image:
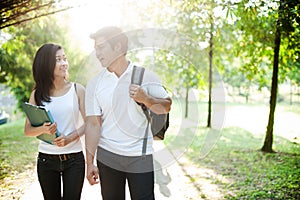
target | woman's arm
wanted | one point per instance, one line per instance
(47, 127)
(76, 134)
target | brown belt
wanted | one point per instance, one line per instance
(61, 157)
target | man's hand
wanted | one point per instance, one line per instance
(137, 93)
(92, 174)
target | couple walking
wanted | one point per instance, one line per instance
(114, 124)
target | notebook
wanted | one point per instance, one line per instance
(37, 115)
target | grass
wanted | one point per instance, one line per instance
(17, 152)
(252, 173)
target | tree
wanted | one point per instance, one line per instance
(264, 28)
(267, 147)
(287, 21)
(205, 21)
(210, 54)
(16, 12)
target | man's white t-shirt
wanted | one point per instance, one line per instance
(124, 122)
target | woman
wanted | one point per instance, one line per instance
(61, 162)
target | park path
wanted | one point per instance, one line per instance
(255, 120)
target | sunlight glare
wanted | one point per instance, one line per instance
(91, 16)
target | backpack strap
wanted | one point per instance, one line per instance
(137, 75)
(137, 78)
(146, 112)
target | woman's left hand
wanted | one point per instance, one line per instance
(61, 141)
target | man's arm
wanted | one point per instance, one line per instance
(156, 105)
(92, 135)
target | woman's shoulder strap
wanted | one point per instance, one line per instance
(75, 87)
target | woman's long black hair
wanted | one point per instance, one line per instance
(43, 72)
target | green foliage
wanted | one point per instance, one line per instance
(256, 32)
(289, 23)
(14, 65)
(181, 72)
(253, 44)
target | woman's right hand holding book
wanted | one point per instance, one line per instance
(49, 128)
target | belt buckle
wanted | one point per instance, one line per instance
(63, 157)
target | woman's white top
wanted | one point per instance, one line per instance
(65, 112)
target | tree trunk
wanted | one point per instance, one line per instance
(291, 92)
(210, 76)
(186, 101)
(298, 92)
(267, 147)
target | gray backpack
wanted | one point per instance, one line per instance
(159, 122)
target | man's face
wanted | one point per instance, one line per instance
(105, 53)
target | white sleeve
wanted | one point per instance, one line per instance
(92, 106)
(153, 85)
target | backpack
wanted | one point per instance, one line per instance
(159, 122)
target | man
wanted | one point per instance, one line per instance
(116, 124)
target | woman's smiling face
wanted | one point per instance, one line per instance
(62, 65)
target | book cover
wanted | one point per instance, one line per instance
(37, 115)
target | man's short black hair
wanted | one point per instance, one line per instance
(113, 35)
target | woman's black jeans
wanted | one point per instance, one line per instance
(68, 169)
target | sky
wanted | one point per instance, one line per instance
(91, 16)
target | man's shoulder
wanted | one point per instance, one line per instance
(151, 76)
(96, 78)
(148, 71)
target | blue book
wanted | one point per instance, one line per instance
(37, 116)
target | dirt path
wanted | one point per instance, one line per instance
(14, 188)
(255, 120)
